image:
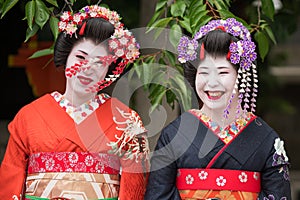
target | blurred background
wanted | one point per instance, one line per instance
(23, 80)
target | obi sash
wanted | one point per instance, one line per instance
(217, 183)
(72, 175)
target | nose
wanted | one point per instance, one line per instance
(91, 68)
(212, 80)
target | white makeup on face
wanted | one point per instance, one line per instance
(88, 75)
(215, 80)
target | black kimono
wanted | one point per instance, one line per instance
(192, 141)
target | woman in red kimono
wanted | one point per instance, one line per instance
(222, 150)
(80, 144)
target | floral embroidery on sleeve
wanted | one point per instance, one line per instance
(280, 158)
(130, 145)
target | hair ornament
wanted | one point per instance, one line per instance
(122, 44)
(242, 51)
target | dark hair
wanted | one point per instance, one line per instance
(216, 43)
(97, 29)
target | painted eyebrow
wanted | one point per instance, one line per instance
(202, 67)
(223, 68)
(83, 52)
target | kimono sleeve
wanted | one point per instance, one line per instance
(13, 166)
(131, 145)
(162, 178)
(275, 177)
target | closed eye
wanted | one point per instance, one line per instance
(80, 57)
(224, 72)
(203, 73)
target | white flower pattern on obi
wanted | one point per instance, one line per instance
(130, 145)
(256, 175)
(221, 181)
(243, 177)
(189, 179)
(203, 175)
(50, 164)
(73, 157)
(89, 161)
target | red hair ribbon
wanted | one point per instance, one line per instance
(229, 53)
(202, 51)
(81, 32)
(221, 28)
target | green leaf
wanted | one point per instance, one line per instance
(146, 73)
(155, 89)
(7, 5)
(263, 44)
(171, 98)
(175, 34)
(29, 12)
(270, 34)
(226, 13)
(201, 22)
(194, 11)
(158, 100)
(160, 5)
(219, 4)
(159, 77)
(186, 24)
(170, 56)
(161, 23)
(54, 26)
(40, 53)
(53, 2)
(137, 69)
(195, 5)
(155, 17)
(195, 17)
(198, 19)
(268, 9)
(178, 8)
(41, 14)
(31, 32)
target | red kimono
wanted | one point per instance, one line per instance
(100, 152)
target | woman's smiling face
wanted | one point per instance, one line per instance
(215, 81)
(84, 69)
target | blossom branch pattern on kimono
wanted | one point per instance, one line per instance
(128, 145)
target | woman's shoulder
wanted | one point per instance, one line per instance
(184, 124)
(263, 126)
(31, 107)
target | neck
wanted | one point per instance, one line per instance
(217, 115)
(78, 99)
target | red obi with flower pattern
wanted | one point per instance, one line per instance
(72, 175)
(217, 183)
(73, 162)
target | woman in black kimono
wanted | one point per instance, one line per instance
(222, 150)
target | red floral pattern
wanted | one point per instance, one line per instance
(73, 162)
